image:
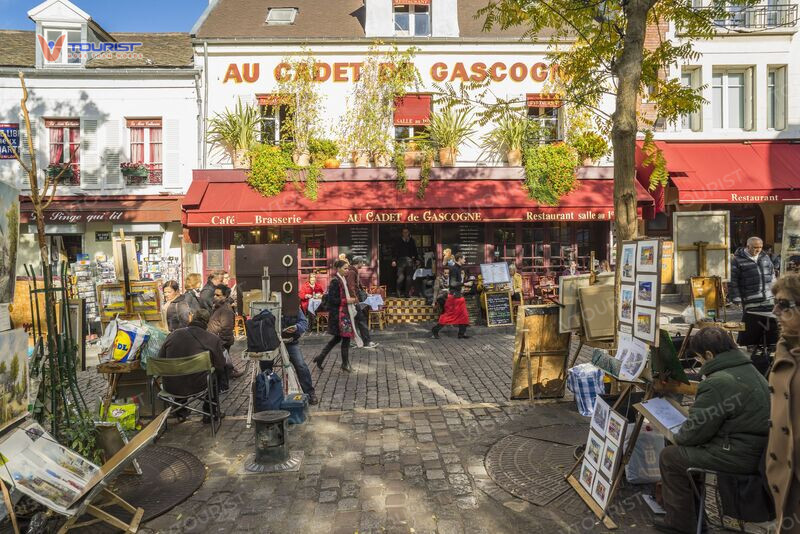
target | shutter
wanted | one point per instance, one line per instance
(780, 98)
(171, 154)
(696, 117)
(111, 153)
(749, 88)
(89, 155)
(25, 153)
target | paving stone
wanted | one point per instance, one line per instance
(328, 496)
(434, 474)
(349, 504)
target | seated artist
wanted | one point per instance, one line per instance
(726, 429)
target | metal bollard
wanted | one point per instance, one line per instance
(272, 450)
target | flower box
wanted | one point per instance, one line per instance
(54, 169)
(134, 169)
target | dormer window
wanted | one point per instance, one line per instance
(412, 18)
(55, 47)
(281, 15)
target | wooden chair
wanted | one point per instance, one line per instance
(547, 287)
(377, 316)
(529, 281)
(322, 320)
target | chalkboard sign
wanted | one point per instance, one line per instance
(355, 241)
(498, 308)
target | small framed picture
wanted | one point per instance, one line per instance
(600, 416)
(608, 460)
(587, 475)
(594, 449)
(647, 260)
(626, 300)
(647, 290)
(628, 267)
(600, 491)
(616, 428)
(645, 325)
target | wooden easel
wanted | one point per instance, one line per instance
(101, 516)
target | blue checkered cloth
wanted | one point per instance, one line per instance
(585, 381)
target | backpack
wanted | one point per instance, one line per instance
(261, 333)
(267, 392)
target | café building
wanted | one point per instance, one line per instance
(478, 206)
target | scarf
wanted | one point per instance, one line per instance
(351, 312)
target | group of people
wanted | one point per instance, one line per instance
(741, 422)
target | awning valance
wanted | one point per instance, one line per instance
(412, 110)
(73, 210)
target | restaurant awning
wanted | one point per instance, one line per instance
(218, 198)
(733, 172)
(71, 210)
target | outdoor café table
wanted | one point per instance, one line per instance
(313, 304)
(422, 273)
(375, 301)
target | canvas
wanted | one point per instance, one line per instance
(597, 311)
(569, 319)
(626, 299)
(609, 460)
(645, 325)
(628, 267)
(712, 227)
(615, 430)
(9, 239)
(13, 376)
(594, 449)
(586, 476)
(647, 256)
(601, 491)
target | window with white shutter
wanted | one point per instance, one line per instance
(171, 148)
(90, 155)
(111, 153)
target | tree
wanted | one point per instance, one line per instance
(599, 47)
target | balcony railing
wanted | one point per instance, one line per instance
(153, 176)
(759, 17)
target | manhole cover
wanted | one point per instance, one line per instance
(564, 434)
(530, 469)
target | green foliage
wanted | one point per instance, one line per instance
(79, 434)
(322, 149)
(401, 182)
(511, 133)
(269, 169)
(425, 171)
(386, 75)
(589, 145)
(234, 130)
(655, 158)
(450, 127)
(302, 96)
(313, 174)
(550, 171)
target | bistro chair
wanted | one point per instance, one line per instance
(547, 287)
(528, 287)
(377, 317)
(190, 365)
(322, 318)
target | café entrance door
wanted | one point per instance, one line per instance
(388, 236)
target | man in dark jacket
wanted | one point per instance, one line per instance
(405, 251)
(189, 341)
(294, 326)
(752, 274)
(207, 293)
(221, 324)
(726, 429)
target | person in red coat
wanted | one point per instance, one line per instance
(455, 307)
(310, 289)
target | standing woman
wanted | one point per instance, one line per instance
(783, 450)
(341, 317)
(192, 293)
(177, 309)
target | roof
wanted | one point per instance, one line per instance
(317, 20)
(223, 197)
(160, 50)
(733, 172)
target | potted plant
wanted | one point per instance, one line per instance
(448, 129)
(269, 169)
(54, 169)
(234, 131)
(550, 171)
(590, 146)
(324, 152)
(138, 170)
(507, 139)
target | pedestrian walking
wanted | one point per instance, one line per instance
(341, 312)
(455, 307)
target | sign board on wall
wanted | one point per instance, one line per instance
(790, 244)
(102, 236)
(11, 129)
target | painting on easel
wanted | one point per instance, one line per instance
(13, 376)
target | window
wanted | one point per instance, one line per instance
(505, 244)
(64, 138)
(776, 98)
(412, 115)
(60, 54)
(412, 20)
(273, 119)
(731, 100)
(407, 133)
(690, 121)
(313, 248)
(281, 15)
(544, 112)
(147, 147)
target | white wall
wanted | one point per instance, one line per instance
(107, 99)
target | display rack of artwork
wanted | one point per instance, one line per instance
(639, 298)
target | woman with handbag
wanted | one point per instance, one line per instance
(341, 322)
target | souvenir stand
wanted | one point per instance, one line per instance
(130, 299)
(601, 466)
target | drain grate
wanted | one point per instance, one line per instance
(530, 469)
(573, 435)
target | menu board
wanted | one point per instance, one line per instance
(464, 238)
(498, 308)
(495, 273)
(356, 241)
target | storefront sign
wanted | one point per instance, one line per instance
(102, 236)
(78, 217)
(11, 129)
(458, 71)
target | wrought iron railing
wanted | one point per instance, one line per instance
(154, 176)
(759, 17)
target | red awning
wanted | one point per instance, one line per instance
(234, 203)
(733, 172)
(412, 110)
(69, 210)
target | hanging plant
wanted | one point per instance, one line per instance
(399, 160)
(550, 171)
(269, 169)
(425, 171)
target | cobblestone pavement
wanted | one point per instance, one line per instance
(398, 446)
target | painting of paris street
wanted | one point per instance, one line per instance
(9, 237)
(13, 376)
